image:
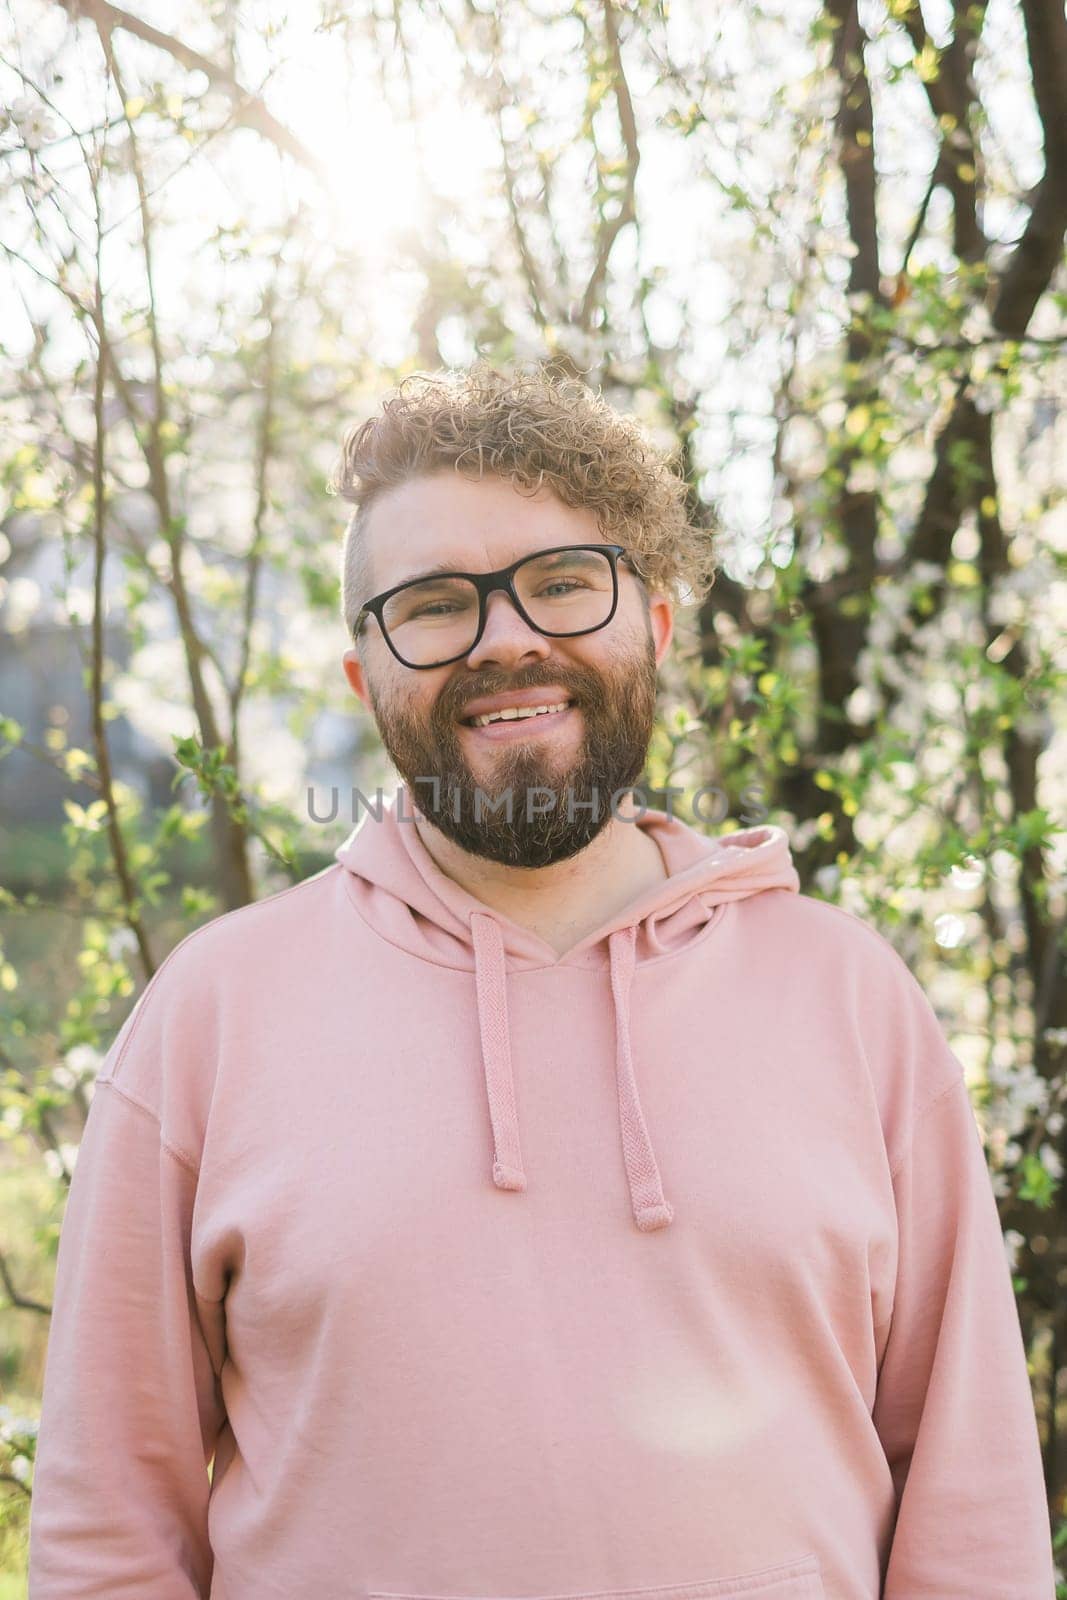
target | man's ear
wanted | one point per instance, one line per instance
(661, 622)
(357, 681)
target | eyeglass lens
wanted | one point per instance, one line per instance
(570, 591)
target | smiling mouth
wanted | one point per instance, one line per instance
(511, 715)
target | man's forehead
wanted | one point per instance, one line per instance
(446, 522)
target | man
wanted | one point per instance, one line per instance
(549, 1204)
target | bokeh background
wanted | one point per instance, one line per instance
(816, 247)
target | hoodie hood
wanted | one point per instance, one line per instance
(401, 892)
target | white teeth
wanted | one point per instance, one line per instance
(513, 713)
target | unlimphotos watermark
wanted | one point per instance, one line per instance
(708, 804)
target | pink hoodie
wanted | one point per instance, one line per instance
(668, 1269)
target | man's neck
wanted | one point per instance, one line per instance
(568, 900)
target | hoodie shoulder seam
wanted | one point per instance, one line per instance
(919, 1120)
(173, 1150)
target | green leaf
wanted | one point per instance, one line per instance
(1038, 1183)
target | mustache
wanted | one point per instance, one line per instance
(581, 688)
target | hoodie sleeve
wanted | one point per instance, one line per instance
(954, 1409)
(132, 1406)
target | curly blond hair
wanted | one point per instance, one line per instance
(534, 427)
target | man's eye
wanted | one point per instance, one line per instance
(566, 584)
(434, 607)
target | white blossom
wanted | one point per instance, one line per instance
(803, 833)
(1035, 726)
(40, 185)
(863, 478)
(1051, 1161)
(1034, 577)
(121, 941)
(977, 324)
(985, 398)
(881, 632)
(79, 1064)
(31, 121)
(62, 1160)
(827, 879)
(893, 674)
(1003, 605)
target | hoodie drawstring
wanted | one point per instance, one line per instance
(650, 1208)
(496, 1051)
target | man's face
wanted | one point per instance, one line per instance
(599, 742)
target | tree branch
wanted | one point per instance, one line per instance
(119, 856)
(229, 836)
(1037, 255)
(611, 227)
(249, 110)
(23, 1302)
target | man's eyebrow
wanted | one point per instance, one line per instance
(440, 570)
(443, 568)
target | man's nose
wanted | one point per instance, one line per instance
(508, 638)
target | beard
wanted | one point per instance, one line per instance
(559, 804)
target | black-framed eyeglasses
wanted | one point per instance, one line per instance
(564, 591)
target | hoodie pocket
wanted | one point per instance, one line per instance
(795, 1580)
